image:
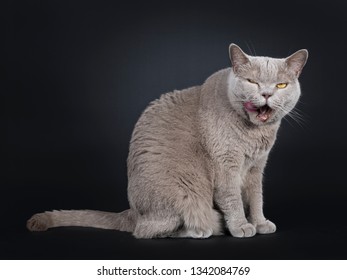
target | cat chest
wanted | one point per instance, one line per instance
(253, 154)
(255, 148)
(251, 161)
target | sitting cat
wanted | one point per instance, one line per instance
(197, 155)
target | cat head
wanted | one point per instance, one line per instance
(264, 89)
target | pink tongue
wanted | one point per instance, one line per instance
(250, 106)
(263, 116)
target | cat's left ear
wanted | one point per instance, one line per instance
(297, 61)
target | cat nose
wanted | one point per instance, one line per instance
(266, 95)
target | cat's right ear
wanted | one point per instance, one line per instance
(237, 57)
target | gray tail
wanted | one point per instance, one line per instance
(124, 221)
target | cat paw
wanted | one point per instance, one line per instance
(201, 234)
(38, 222)
(194, 233)
(266, 227)
(245, 230)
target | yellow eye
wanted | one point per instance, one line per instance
(282, 85)
(251, 81)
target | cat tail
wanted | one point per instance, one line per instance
(123, 221)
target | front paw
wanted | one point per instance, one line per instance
(244, 230)
(266, 227)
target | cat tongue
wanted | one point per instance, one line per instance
(250, 106)
(263, 114)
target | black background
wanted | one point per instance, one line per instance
(79, 74)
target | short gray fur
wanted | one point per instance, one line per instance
(197, 155)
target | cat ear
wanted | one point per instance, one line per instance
(237, 56)
(297, 61)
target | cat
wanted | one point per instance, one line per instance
(197, 156)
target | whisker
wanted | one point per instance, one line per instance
(249, 49)
(293, 114)
(298, 121)
(302, 102)
(253, 48)
(300, 115)
(288, 121)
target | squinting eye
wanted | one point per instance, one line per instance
(282, 85)
(251, 81)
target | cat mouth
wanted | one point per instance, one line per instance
(263, 112)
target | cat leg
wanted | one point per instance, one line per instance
(155, 226)
(229, 200)
(253, 196)
(200, 219)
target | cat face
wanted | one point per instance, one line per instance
(263, 89)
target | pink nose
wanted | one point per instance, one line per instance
(266, 95)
